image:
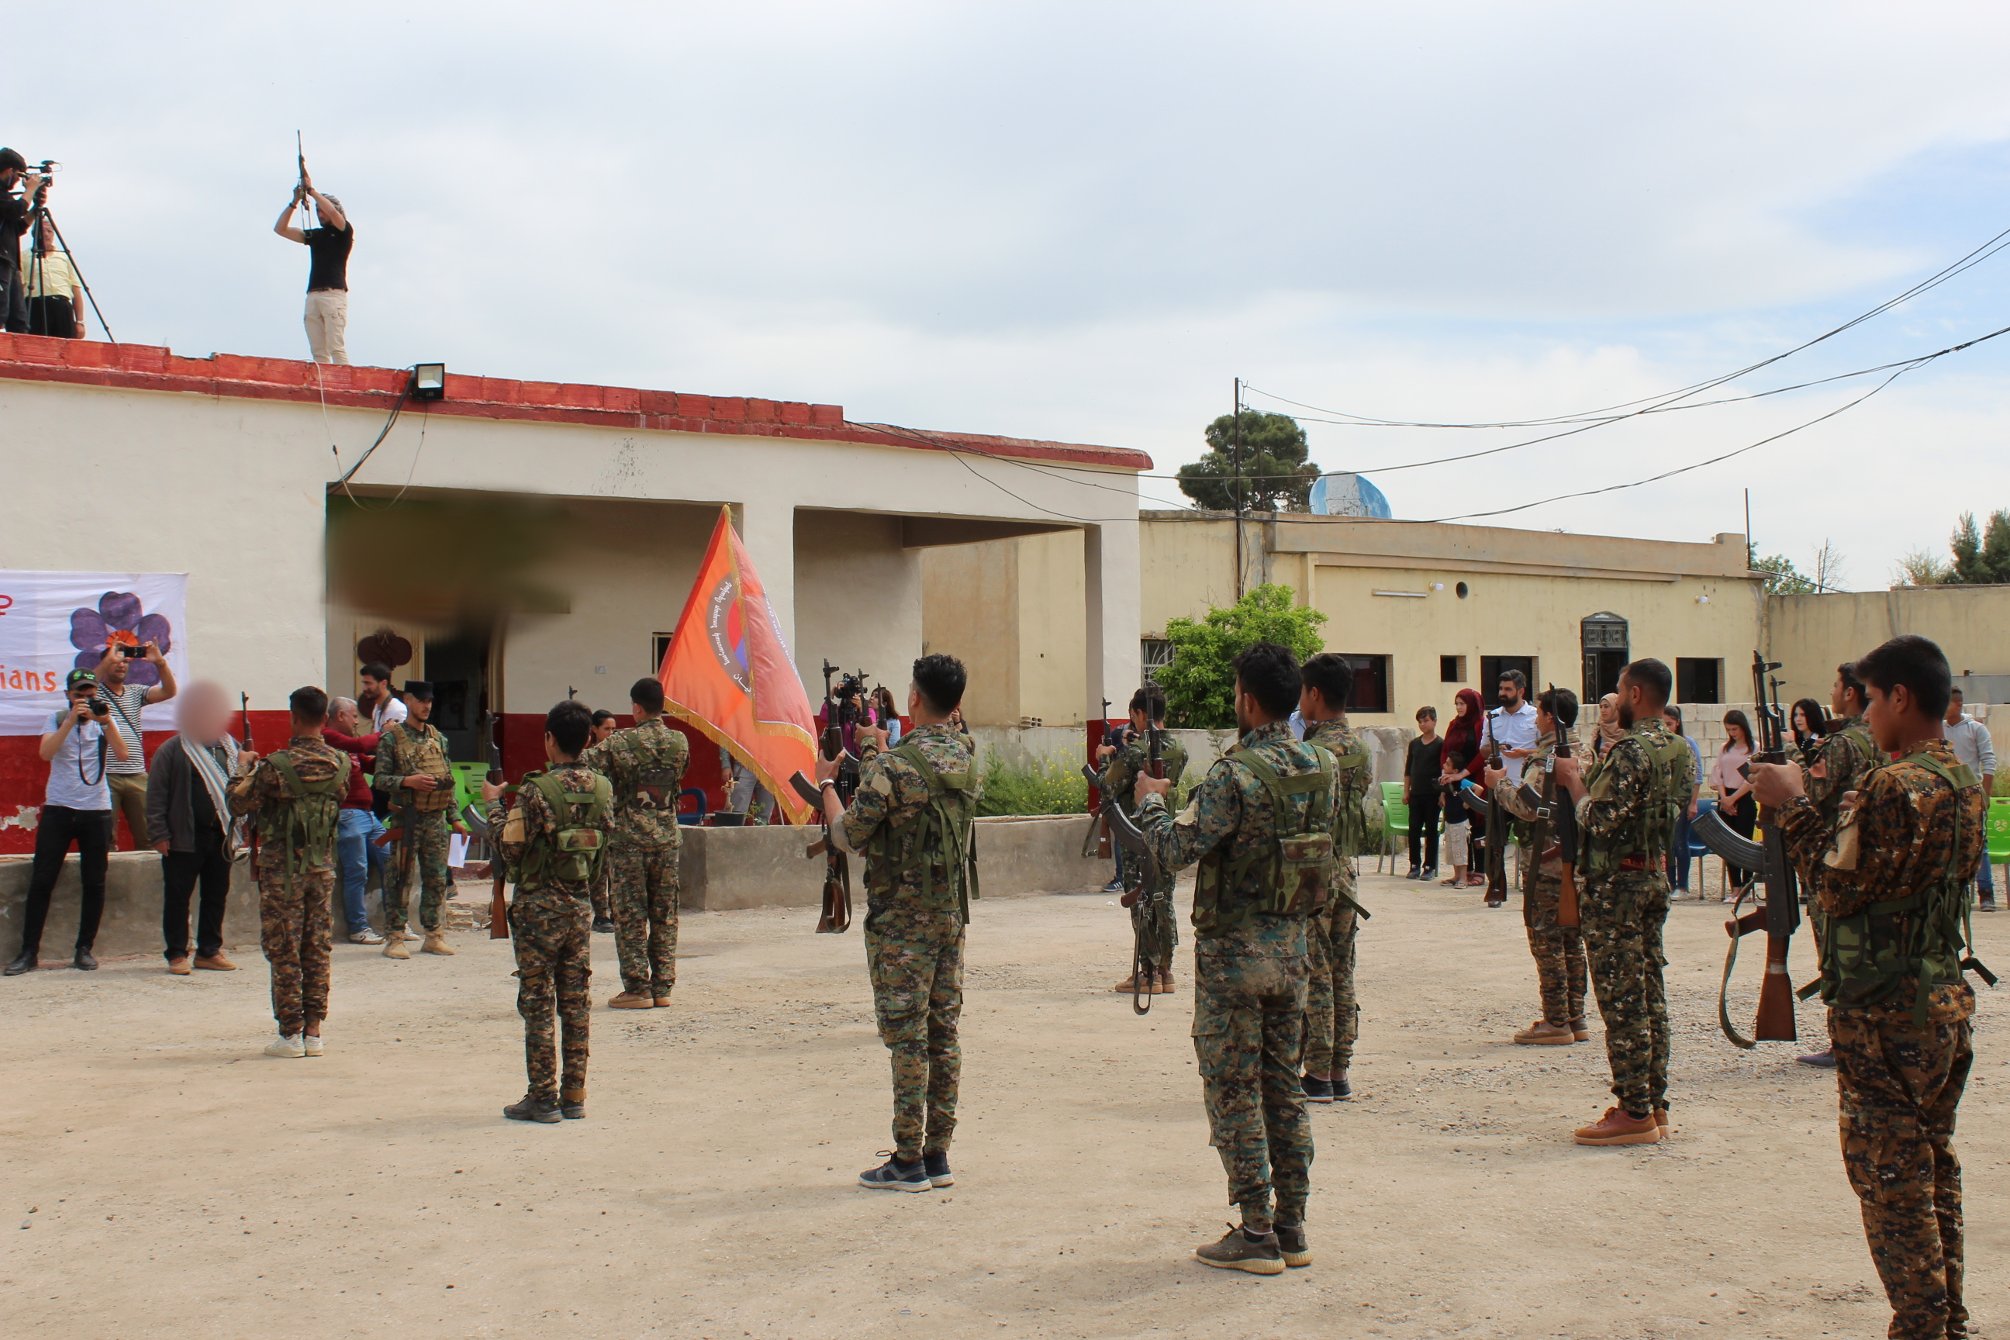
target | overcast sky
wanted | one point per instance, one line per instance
(1082, 221)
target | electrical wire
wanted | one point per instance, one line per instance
(1911, 365)
(1966, 262)
(960, 449)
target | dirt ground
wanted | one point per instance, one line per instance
(156, 1171)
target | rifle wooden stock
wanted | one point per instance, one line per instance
(1566, 899)
(834, 916)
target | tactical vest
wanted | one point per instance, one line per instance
(1350, 810)
(572, 852)
(1298, 866)
(428, 758)
(300, 823)
(940, 836)
(1866, 956)
(1651, 831)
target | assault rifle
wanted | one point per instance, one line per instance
(1131, 838)
(1781, 914)
(1497, 825)
(498, 874)
(835, 918)
(244, 742)
(1555, 817)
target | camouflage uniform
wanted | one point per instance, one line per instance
(551, 931)
(1903, 1057)
(408, 749)
(1332, 1019)
(1152, 917)
(646, 766)
(296, 879)
(1626, 823)
(1560, 968)
(1250, 973)
(916, 909)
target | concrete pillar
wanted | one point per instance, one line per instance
(768, 530)
(1110, 605)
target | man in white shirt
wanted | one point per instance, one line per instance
(1513, 724)
(385, 707)
(126, 773)
(1969, 739)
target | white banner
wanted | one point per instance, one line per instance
(54, 622)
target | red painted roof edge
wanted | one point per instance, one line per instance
(143, 367)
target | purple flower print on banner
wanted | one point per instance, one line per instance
(119, 621)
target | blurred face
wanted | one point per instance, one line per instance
(205, 712)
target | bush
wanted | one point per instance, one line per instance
(1052, 785)
(1200, 683)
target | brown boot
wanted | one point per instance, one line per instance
(1542, 1033)
(1620, 1127)
(661, 1002)
(1579, 1030)
(628, 1000)
(178, 966)
(394, 945)
(215, 962)
(436, 943)
(572, 1104)
(1661, 1120)
(1129, 985)
(1164, 983)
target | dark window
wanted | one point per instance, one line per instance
(662, 644)
(1699, 680)
(1452, 669)
(1493, 667)
(1371, 683)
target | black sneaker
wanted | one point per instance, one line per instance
(937, 1168)
(1237, 1250)
(1318, 1090)
(1342, 1090)
(530, 1107)
(26, 962)
(1291, 1245)
(1415, 871)
(893, 1175)
(84, 962)
(1987, 904)
(1430, 873)
(602, 926)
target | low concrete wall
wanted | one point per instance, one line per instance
(132, 920)
(727, 868)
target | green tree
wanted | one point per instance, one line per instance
(1782, 577)
(1200, 683)
(1920, 567)
(1981, 554)
(1275, 476)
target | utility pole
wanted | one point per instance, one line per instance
(1235, 449)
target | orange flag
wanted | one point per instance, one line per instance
(728, 673)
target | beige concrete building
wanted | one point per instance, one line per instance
(1422, 609)
(1811, 635)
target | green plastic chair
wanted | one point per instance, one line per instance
(1997, 826)
(1395, 823)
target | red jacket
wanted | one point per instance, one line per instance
(362, 752)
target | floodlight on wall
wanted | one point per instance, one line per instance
(429, 381)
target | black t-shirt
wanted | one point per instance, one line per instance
(330, 266)
(13, 223)
(1424, 763)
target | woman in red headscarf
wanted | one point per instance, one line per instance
(1463, 760)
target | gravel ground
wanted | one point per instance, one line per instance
(156, 1171)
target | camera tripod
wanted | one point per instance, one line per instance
(34, 270)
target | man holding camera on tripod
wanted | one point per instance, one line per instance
(327, 317)
(14, 214)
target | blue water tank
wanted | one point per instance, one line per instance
(1349, 495)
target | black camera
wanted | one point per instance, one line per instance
(132, 653)
(100, 708)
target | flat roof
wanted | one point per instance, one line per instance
(142, 367)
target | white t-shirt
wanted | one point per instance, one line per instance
(128, 704)
(1514, 730)
(385, 713)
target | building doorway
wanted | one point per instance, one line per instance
(1493, 667)
(457, 667)
(1603, 640)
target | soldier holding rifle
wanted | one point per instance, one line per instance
(1332, 1018)
(1626, 820)
(1561, 970)
(1146, 751)
(412, 769)
(1260, 826)
(1890, 877)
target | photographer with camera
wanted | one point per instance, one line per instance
(327, 317)
(76, 807)
(14, 214)
(128, 769)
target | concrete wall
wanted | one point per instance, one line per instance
(132, 920)
(1811, 635)
(1035, 658)
(728, 868)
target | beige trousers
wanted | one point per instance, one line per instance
(328, 325)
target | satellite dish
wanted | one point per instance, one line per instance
(1349, 495)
